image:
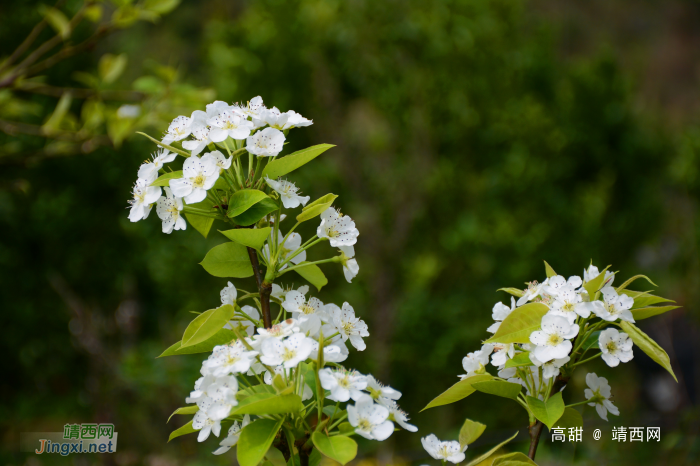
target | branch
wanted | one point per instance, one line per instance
(265, 289)
(536, 428)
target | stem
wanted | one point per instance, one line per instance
(578, 404)
(264, 288)
(586, 360)
(536, 428)
(306, 264)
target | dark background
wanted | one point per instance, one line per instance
(475, 140)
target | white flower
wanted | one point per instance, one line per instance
(568, 303)
(149, 170)
(282, 121)
(370, 420)
(295, 120)
(533, 290)
(265, 143)
(229, 359)
(229, 294)
(335, 352)
(247, 325)
(288, 193)
(615, 346)
(169, 210)
(296, 303)
(234, 432)
(593, 272)
(553, 340)
(290, 246)
(613, 306)
(338, 228)
(279, 293)
(221, 161)
(450, 451)
(200, 132)
(229, 124)
(179, 129)
(550, 368)
(399, 416)
(347, 325)
(216, 107)
(252, 109)
(499, 312)
(557, 282)
(382, 394)
(501, 353)
(475, 361)
(342, 384)
(289, 352)
(198, 176)
(205, 425)
(598, 394)
(144, 197)
(350, 266)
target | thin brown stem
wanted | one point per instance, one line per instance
(536, 428)
(264, 288)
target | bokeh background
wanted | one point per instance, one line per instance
(475, 139)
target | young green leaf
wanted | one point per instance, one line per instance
(339, 448)
(520, 359)
(596, 284)
(570, 418)
(313, 274)
(458, 391)
(275, 457)
(184, 430)
(499, 388)
(645, 299)
(243, 200)
(166, 146)
(517, 327)
(282, 166)
(255, 440)
(228, 260)
(221, 337)
(164, 180)
(513, 459)
(252, 238)
(269, 403)
(256, 212)
(206, 325)
(518, 293)
(470, 431)
(629, 281)
(316, 208)
(200, 223)
(185, 410)
(549, 270)
(646, 312)
(649, 346)
(488, 454)
(548, 412)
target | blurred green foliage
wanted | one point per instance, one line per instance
(469, 150)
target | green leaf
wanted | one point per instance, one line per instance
(185, 410)
(161, 6)
(243, 200)
(221, 337)
(549, 270)
(624, 285)
(111, 67)
(282, 166)
(252, 238)
(649, 346)
(228, 260)
(315, 457)
(517, 327)
(275, 457)
(200, 223)
(499, 388)
(254, 390)
(548, 412)
(646, 312)
(458, 391)
(184, 430)
(206, 325)
(346, 428)
(167, 146)
(570, 418)
(57, 20)
(333, 411)
(313, 274)
(645, 299)
(520, 359)
(316, 208)
(339, 448)
(269, 403)
(470, 431)
(486, 455)
(255, 213)
(255, 440)
(513, 459)
(514, 291)
(596, 284)
(591, 341)
(164, 180)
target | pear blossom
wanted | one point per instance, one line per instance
(265, 143)
(532, 291)
(342, 384)
(234, 433)
(289, 352)
(230, 359)
(229, 294)
(217, 107)
(200, 131)
(347, 325)
(568, 303)
(205, 425)
(615, 347)
(335, 352)
(499, 312)
(169, 210)
(399, 416)
(198, 176)
(279, 120)
(250, 314)
(450, 451)
(221, 161)
(222, 393)
(286, 249)
(227, 124)
(382, 394)
(370, 420)
(178, 130)
(288, 193)
(296, 303)
(598, 393)
(613, 306)
(553, 340)
(347, 258)
(142, 202)
(592, 272)
(557, 282)
(339, 229)
(501, 353)
(295, 120)
(475, 361)
(149, 170)
(200, 388)
(550, 368)
(253, 108)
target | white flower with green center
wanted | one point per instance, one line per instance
(288, 193)
(169, 210)
(221, 161)
(475, 362)
(615, 346)
(553, 340)
(344, 322)
(613, 306)
(229, 124)
(229, 294)
(350, 266)
(550, 368)
(200, 133)
(143, 198)
(370, 420)
(450, 451)
(249, 314)
(568, 303)
(342, 384)
(149, 170)
(399, 416)
(532, 291)
(296, 303)
(288, 352)
(265, 143)
(205, 425)
(382, 394)
(198, 176)
(234, 433)
(339, 229)
(229, 359)
(252, 109)
(178, 130)
(598, 393)
(499, 312)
